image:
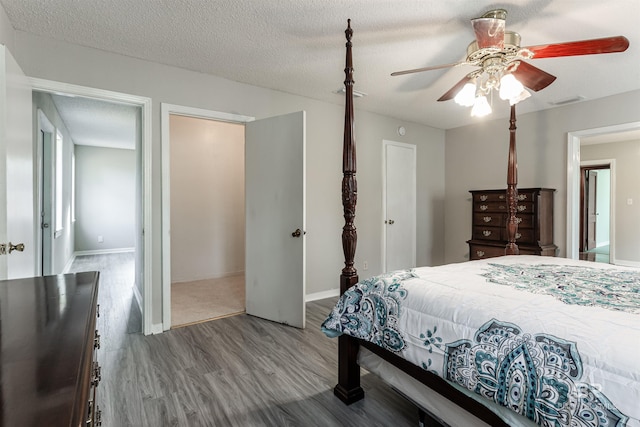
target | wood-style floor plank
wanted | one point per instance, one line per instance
(237, 371)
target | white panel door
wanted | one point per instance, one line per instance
(275, 218)
(399, 205)
(16, 169)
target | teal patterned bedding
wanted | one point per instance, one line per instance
(554, 340)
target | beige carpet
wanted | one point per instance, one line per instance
(202, 300)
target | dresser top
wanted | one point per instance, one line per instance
(44, 335)
(503, 190)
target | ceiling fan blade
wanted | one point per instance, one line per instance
(584, 47)
(419, 70)
(451, 93)
(532, 77)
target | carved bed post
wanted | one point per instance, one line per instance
(512, 189)
(348, 388)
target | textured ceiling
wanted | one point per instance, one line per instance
(298, 46)
(98, 123)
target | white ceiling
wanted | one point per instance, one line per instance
(98, 123)
(298, 46)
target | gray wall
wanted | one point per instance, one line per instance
(58, 61)
(476, 159)
(105, 198)
(63, 244)
(626, 179)
(6, 30)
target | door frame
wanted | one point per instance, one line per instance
(600, 164)
(414, 148)
(573, 181)
(165, 140)
(44, 125)
(145, 301)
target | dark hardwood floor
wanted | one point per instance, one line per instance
(237, 371)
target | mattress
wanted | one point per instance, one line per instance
(553, 340)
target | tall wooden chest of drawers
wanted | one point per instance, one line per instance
(489, 223)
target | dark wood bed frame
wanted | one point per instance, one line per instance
(348, 388)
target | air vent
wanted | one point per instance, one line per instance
(567, 100)
(356, 94)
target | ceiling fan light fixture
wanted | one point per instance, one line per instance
(467, 96)
(520, 97)
(489, 29)
(481, 107)
(510, 87)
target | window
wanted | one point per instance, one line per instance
(58, 195)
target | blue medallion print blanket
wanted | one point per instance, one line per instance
(554, 340)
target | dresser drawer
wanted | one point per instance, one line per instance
(489, 197)
(501, 207)
(488, 219)
(487, 233)
(490, 207)
(523, 235)
(524, 221)
(477, 251)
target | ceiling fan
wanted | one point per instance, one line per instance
(500, 59)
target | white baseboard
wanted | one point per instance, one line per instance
(138, 297)
(104, 251)
(69, 263)
(626, 263)
(322, 295)
(198, 278)
(156, 328)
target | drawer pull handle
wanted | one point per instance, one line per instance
(518, 220)
(98, 422)
(486, 233)
(483, 197)
(480, 253)
(522, 197)
(484, 207)
(501, 197)
(96, 340)
(518, 235)
(521, 208)
(486, 219)
(96, 375)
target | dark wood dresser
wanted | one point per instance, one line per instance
(49, 340)
(489, 219)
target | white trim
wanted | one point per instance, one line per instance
(69, 263)
(414, 148)
(155, 329)
(44, 125)
(322, 295)
(104, 251)
(573, 180)
(147, 164)
(612, 201)
(626, 263)
(165, 111)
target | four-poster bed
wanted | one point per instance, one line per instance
(511, 348)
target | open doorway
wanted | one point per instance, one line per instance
(207, 219)
(595, 212)
(275, 213)
(109, 100)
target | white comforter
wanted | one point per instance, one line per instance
(557, 344)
